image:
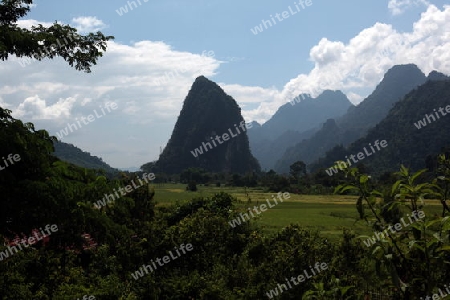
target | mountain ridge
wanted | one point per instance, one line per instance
(294, 121)
(408, 143)
(74, 155)
(397, 82)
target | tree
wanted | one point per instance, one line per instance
(34, 149)
(192, 186)
(42, 42)
(297, 169)
(193, 174)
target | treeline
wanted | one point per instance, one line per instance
(299, 180)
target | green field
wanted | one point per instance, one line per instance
(327, 213)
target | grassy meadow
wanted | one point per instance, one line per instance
(327, 213)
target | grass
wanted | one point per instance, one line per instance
(327, 213)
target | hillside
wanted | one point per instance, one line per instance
(415, 128)
(72, 154)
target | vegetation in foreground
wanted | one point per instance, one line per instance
(95, 251)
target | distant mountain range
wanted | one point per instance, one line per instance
(397, 82)
(211, 134)
(293, 122)
(415, 129)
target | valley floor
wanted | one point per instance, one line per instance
(329, 214)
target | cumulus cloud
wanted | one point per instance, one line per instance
(354, 97)
(30, 22)
(398, 7)
(269, 98)
(88, 24)
(35, 108)
(84, 24)
(3, 104)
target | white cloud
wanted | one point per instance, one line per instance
(35, 108)
(3, 104)
(354, 98)
(85, 101)
(30, 22)
(270, 100)
(397, 7)
(88, 24)
(82, 24)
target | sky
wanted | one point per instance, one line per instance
(262, 53)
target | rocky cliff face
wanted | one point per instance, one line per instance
(210, 133)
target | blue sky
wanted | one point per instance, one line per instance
(346, 45)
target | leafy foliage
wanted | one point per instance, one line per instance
(416, 259)
(41, 42)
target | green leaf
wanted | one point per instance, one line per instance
(431, 223)
(414, 244)
(430, 243)
(417, 225)
(348, 187)
(363, 179)
(444, 248)
(395, 187)
(446, 225)
(377, 193)
(338, 188)
(377, 249)
(345, 289)
(417, 174)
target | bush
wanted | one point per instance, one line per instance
(192, 186)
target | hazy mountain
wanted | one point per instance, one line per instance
(76, 156)
(304, 113)
(435, 75)
(415, 127)
(397, 82)
(130, 169)
(208, 113)
(268, 152)
(293, 122)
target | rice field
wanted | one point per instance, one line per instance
(328, 214)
